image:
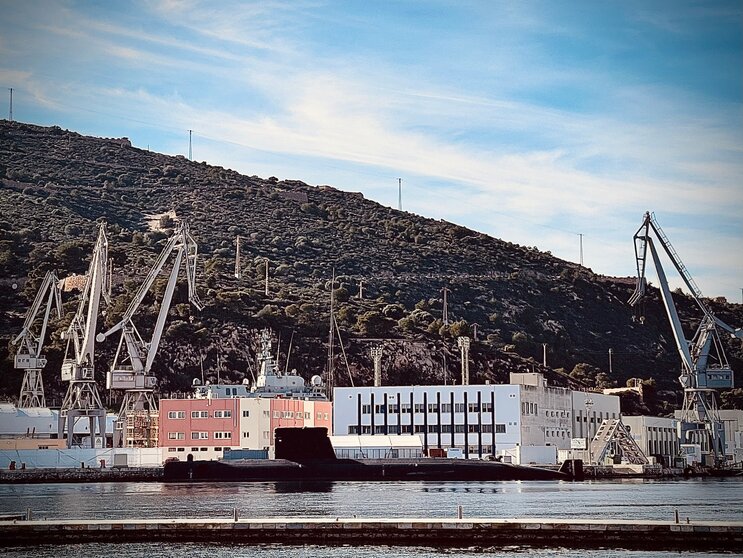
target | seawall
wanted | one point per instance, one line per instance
(438, 532)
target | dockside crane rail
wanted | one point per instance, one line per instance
(28, 357)
(82, 399)
(135, 378)
(704, 364)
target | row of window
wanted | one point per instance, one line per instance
(202, 414)
(430, 429)
(199, 435)
(393, 408)
(173, 450)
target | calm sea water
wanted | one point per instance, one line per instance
(719, 499)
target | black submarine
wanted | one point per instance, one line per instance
(306, 454)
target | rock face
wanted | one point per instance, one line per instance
(55, 186)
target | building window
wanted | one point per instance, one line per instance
(199, 435)
(405, 428)
(222, 435)
(459, 407)
(222, 414)
(433, 428)
(393, 408)
(446, 407)
(473, 407)
(405, 407)
(171, 449)
(420, 408)
(500, 428)
(433, 408)
(379, 430)
(419, 429)
(246, 414)
(487, 428)
(365, 410)
(459, 428)
(325, 416)
(176, 436)
(276, 414)
(473, 428)
(266, 414)
(394, 429)
(199, 414)
(307, 416)
(446, 428)
(354, 429)
(246, 434)
(194, 449)
(487, 407)
(176, 414)
(380, 409)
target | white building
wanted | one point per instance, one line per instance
(656, 436)
(590, 410)
(479, 419)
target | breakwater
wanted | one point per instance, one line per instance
(438, 532)
(76, 475)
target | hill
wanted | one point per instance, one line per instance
(56, 185)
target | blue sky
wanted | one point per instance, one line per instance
(530, 121)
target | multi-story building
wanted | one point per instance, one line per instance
(590, 409)
(656, 436)
(222, 417)
(479, 419)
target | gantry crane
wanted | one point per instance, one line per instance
(29, 357)
(82, 399)
(136, 425)
(704, 364)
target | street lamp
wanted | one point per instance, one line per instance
(588, 404)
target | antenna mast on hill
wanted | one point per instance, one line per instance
(329, 382)
(399, 194)
(11, 103)
(190, 152)
(581, 249)
(445, 312)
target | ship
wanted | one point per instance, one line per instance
(306, 454)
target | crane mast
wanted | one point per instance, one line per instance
(136, 425)
(29, 357)
(704, 364)
(82, 399)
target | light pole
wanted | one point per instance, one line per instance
(588, 405)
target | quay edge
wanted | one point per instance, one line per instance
(431, 532)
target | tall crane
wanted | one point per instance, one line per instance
(704, 364)
(82, 399)
(135, 426)
(29, 357)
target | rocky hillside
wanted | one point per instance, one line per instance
(55, 185)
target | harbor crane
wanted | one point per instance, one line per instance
(82, 399)
(136, 425)
(705, 367)
(29, 357)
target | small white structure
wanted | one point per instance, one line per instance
(656, 436)
(376, 447)
(530, 455)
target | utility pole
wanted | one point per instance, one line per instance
(610, 370)
(474, 331)
(464, 347)
(266, 276)
(376, 354)
(237, 257)
(581, 249)
(445, 312)
(544, 355)
(399, 194)
(11, 103)
(190, 152)
(330, 380)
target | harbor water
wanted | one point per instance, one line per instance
(697, 499)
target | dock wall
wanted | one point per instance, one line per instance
(638, 535)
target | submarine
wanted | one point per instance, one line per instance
(306, 454)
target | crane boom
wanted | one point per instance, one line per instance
(135, 377)
(29, 357)
(82, 399)
(704, 364)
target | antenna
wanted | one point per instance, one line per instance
(190, 153)
(11, 104)
(329, 382)
(399, 194)
(544, 355)
(581, 248)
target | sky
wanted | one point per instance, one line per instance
(548, 124)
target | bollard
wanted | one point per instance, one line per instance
(687, 521)
(23, 466)
(28, 514)
(677, 515)
(459, 512)
(234, 513)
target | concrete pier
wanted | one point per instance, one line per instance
(432, 532)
